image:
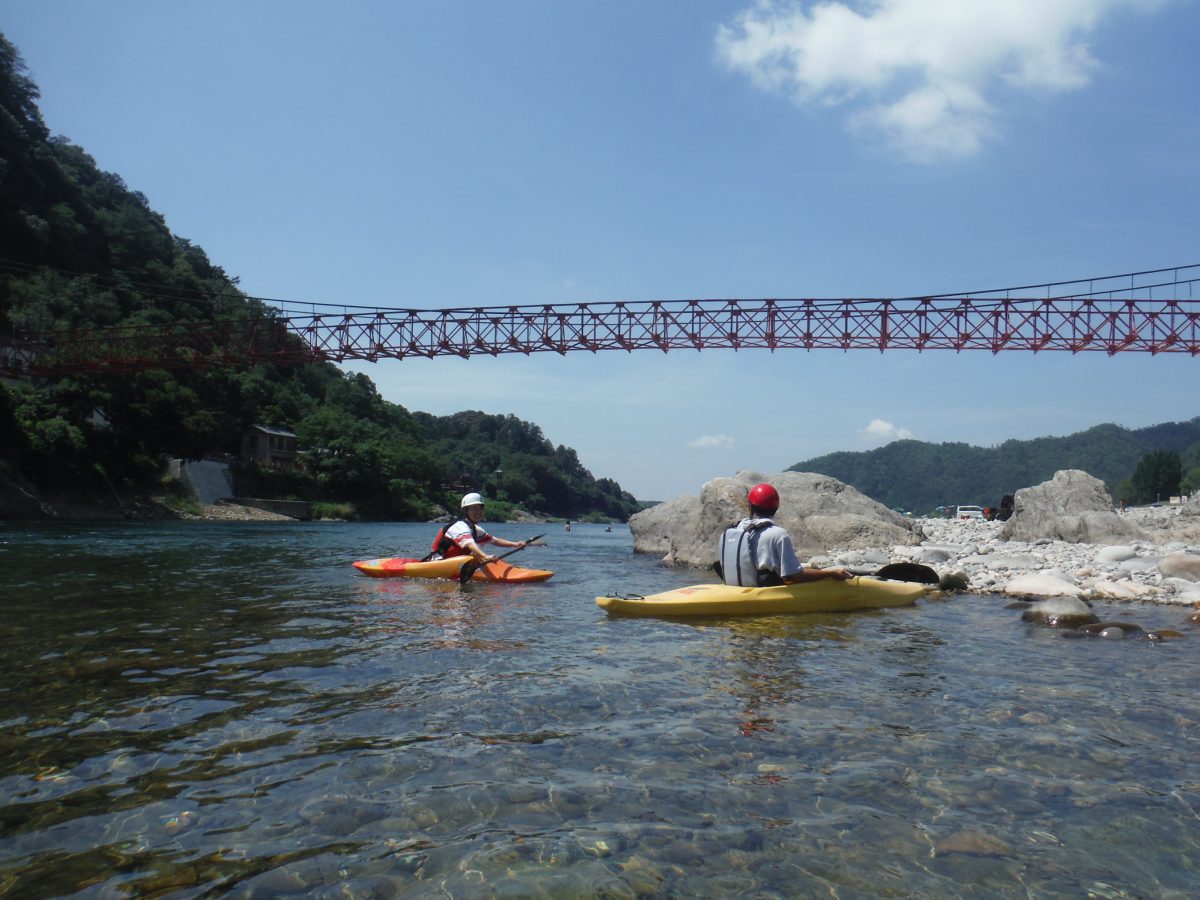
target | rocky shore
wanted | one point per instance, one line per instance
(234, 512)
(1064, 540)
(1156, 567)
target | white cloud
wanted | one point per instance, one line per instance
(880, 432)
(917, 72)
(708, 441)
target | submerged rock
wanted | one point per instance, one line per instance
(1098, 629)
(1060, 612)
(976, 843)
(1116, 631)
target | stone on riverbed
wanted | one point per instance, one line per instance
(1115, 631)
(1181, 565)
(975, 843)
(1125, 589)
(1138, 564)
(931, 555)
(1043, 584)
(1116, 553)
(1060, 612)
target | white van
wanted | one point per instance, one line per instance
(969, 512)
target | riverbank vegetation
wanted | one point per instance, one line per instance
(82, 251)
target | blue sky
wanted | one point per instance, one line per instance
(486, 153)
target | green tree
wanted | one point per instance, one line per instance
(1157, 476)
(1190, 483)
(62, 215)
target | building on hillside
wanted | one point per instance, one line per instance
(269, 446)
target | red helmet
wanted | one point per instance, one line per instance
(764, 497)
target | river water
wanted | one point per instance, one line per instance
(197, 709)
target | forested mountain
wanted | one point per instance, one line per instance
(79, 249)
(919, 476)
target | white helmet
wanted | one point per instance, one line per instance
(472, 500)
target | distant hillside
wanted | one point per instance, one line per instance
(919, 476)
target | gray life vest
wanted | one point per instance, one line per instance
(739, 556)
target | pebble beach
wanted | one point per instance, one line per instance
(1159, 569)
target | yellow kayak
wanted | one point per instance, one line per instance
(402, 567)
(826, 595)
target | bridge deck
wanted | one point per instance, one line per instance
(1108, 318)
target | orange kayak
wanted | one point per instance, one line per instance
(402, 567)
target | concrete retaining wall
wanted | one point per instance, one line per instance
(208, 479)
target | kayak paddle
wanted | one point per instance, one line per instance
(469, 568)
(902, 571)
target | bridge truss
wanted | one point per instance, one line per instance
(1149, 312)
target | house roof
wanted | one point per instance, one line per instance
(278, 432)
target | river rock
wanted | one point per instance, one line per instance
(1115, 554)
(653, 528)
(932, 555)
(954, 581)
(1173, 524)
(1073, 507)
(820, 513)
(1060, 612)
(1043, 584)
(1125, 589)
(975, 843)
(1016, 561)
(1181, 565)
(1138, 564)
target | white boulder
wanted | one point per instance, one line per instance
(1074, 507)
(1043, 584)
(1181, 565)
(820, 513)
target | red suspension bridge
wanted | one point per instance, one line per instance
(1147, 312)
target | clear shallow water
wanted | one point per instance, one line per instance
(197, 709)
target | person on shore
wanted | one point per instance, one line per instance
(758, 553)
(466, 538)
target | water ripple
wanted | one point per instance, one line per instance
(192, 708)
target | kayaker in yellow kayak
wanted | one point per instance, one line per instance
(465, 537)
(758, 553)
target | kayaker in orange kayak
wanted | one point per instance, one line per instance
(465, 537)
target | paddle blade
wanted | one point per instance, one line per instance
(908, 571)
(465, 573)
